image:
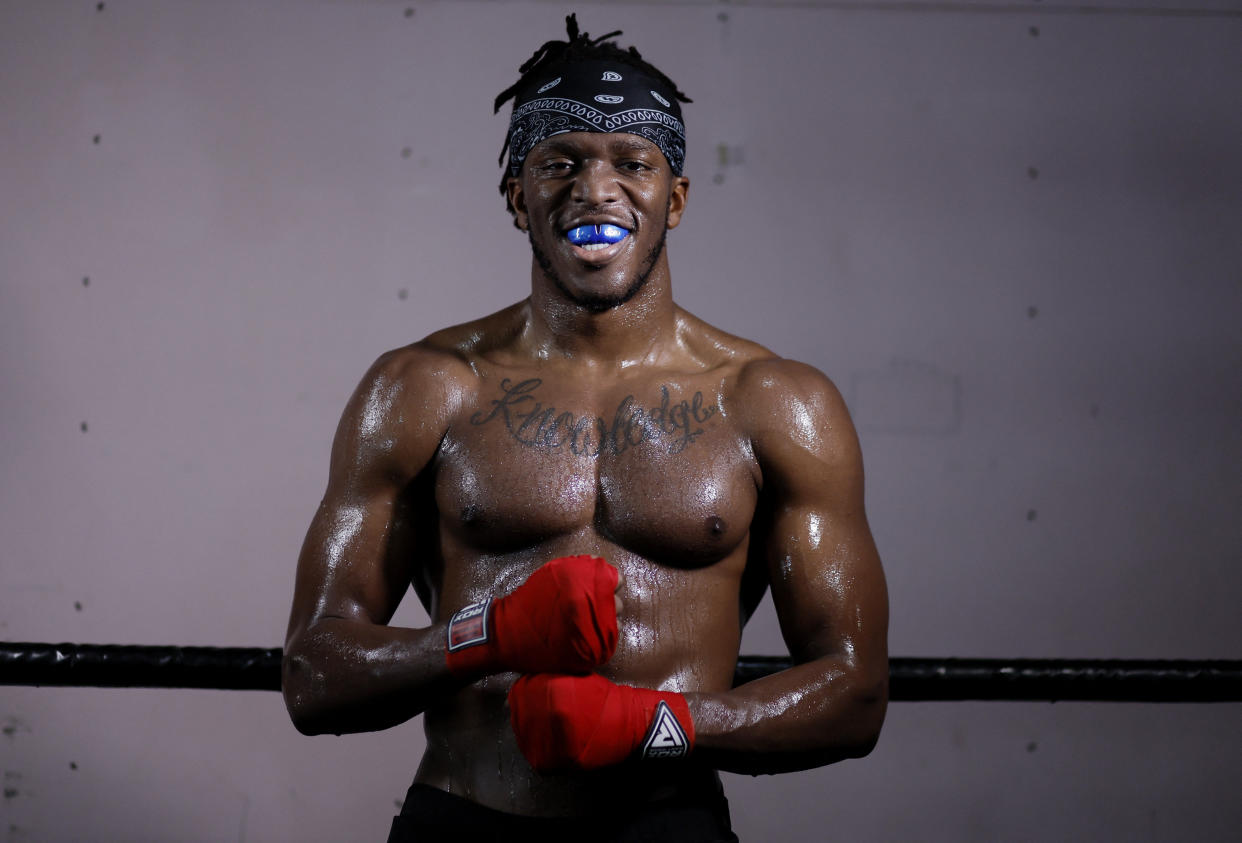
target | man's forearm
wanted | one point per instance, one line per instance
(347, 675)
(812, 714)
(342, 675)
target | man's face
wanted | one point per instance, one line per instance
(574, 182)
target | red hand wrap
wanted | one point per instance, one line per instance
(584, 722)
(563, 619)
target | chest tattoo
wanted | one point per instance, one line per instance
(670, 423)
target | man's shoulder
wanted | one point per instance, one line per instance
(777, 393)
(760, 375)
(447, 358)
(421, 365)
(776, 378)
(411, 395)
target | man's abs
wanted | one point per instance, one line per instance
(471, 752)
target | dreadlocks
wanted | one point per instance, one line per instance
(580, 47)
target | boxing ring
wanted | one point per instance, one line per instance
(911, 679)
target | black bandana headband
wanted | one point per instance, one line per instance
(596, 96)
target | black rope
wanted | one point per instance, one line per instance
(1045, 680)
(1032, 680)
(129, 666)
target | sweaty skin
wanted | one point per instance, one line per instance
(595, 417)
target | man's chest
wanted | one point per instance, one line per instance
(655, 466)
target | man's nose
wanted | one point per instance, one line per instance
(596, 184)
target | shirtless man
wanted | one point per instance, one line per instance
(591, 489)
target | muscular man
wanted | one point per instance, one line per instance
(590, 491)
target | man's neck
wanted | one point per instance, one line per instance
(635, 333)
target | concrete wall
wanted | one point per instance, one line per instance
(1009, 231)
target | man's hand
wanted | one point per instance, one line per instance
(585, 722)
(563, 619)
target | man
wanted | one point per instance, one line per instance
(590, 492)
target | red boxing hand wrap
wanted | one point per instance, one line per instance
(585, 722)
(563, 619)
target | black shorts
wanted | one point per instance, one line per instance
(430, 815)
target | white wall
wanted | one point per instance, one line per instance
(1008, 231)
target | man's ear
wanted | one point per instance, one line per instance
(517, 201)
(677, 200)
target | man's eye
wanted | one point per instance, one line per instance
(552, 168)
(634, 166)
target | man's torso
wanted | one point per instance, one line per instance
(650, 469)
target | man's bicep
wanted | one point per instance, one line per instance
(343, 569)
(827, 585)
(827, 582)
(346, 568)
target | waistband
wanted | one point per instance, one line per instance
(430, 814)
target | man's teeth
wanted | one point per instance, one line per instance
(596, 237)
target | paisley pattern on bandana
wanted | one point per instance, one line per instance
(596, 96)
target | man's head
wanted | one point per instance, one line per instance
(590, 85)
(596, 147)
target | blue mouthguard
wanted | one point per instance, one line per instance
(585, 235)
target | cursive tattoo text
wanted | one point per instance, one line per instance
(673, 424)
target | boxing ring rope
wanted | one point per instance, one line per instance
(911, 679)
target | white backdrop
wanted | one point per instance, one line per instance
(1009, 232)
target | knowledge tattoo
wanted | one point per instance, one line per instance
(675, 424)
